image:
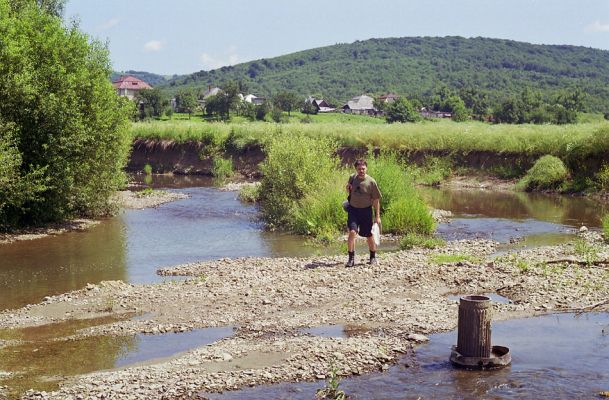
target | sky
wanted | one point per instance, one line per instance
(186, 36)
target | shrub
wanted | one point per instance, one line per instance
(602, 178)
(547, 173)
(249, 193)
(320, 213)
(295, 166)
(222, 168)
(606, 227)
(402, 209)
(16, 188)
(70, 127)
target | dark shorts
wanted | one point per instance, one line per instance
(360, 218)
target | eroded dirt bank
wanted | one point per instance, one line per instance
(165, 156)
(386, 310)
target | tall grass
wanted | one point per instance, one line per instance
(302, 190)
(222, 168)
(295, 166)
(564, 141)
(547, 173)
(402, 209)
(606, 227)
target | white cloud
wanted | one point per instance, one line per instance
(153, 45)
(110, 23)
(230, 57)
(597, 26)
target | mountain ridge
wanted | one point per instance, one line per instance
(419, 66)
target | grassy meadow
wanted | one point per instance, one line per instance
(578, 140)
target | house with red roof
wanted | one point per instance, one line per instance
(128, 86)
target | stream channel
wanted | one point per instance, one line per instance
(213, 224)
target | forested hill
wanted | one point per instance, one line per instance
(415, 66)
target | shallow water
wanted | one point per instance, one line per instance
(43, 357)
(560, 356)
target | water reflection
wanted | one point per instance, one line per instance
(563, 210)
(41, 361)
(30, 270)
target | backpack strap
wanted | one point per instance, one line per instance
(351, 178)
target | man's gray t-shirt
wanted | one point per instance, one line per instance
(363, 191)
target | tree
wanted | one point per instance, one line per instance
(51, 7)
(510, 111)
(64, 129)
(401, 110)
(230, 93)
(151, 102)
(286, 101)
(456, 107)
(186, 101)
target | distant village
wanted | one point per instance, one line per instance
(128, 86)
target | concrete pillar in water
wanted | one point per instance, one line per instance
(474, 329)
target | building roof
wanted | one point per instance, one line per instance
(211, 92)
(389, 96)
(250, 98)
(130, 82)
(362, 102)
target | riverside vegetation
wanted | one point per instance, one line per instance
(302, 189)
(302, 184)
(63, 131)
(575, 144)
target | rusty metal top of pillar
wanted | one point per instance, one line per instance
(475, 301)
(475, 298)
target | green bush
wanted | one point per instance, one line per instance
(295, 166)
(602, 178)
(320, 213)
(16, 188)
(249, 193)
(222, 168)
(548, 172)
(402, 209)
(70, 141)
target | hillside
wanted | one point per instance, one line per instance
(414, 66)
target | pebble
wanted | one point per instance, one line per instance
(384, 312)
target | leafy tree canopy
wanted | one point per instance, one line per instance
(62, 127)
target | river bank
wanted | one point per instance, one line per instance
(385, 310)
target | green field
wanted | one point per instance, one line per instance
(577, 140)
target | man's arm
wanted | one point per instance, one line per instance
(376, 203)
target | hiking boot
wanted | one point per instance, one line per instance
(373, 261)
(350, 263)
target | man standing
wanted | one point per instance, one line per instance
(364, 195)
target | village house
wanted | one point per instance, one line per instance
(388, 98)
(128, 86)
(425, 113)
(255, 100)
(363, 105)
(320, 105)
